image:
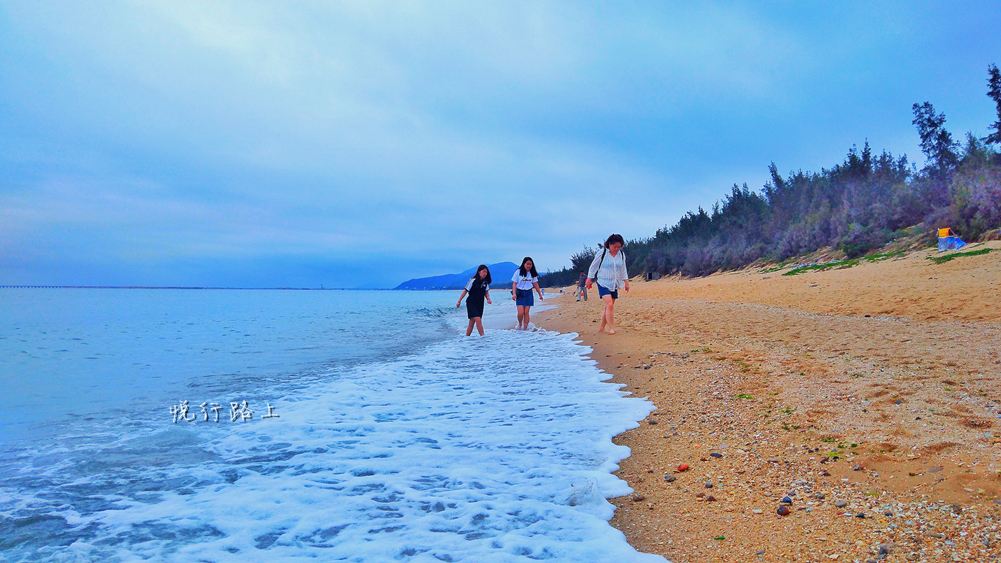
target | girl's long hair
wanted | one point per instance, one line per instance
(614, 239)
(486, 280)
(524, 272)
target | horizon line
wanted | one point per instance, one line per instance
(192, 287)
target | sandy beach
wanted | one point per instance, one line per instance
(866, 397)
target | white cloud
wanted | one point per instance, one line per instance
(256, 129)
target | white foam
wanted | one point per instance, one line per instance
(502, 314)
(492, 449)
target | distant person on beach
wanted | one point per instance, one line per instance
(525, 278)
(609, 270)
(478, 288)
(582, 287)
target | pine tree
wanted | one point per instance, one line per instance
(994, 93)
(581, 261)
(936, 142)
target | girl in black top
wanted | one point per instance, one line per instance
(477, 288)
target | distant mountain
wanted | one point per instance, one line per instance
(500, 274)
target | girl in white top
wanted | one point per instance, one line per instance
(609, 270)
(525, 278)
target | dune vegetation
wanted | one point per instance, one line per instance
(854, 208)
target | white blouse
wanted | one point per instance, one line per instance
(524, 282)
(613, 270)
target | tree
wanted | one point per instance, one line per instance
(936, 142)
(581, 261)
(994, 93)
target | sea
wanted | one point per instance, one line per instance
(270, 425)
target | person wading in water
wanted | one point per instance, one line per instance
(525, 278)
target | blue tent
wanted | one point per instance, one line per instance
(950, 242)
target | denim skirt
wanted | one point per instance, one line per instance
(525, 298)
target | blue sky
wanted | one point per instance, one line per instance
(365, 143)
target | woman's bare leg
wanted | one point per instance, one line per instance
(608, 315)
(479, 325)
(469, 328)
(526, 318)
(521, 315)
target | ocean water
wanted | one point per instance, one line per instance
(378, 432)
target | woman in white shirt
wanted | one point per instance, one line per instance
(609, 270)
(525, 278)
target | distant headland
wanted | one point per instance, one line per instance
(500, 274)
(321, 288)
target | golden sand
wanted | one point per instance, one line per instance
(872, 390)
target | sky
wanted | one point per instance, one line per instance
(361, 144)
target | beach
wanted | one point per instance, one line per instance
(867, 397)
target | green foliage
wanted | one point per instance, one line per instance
(948, 257)
(884, 256)
(994, 93)
(835, 264)
(581, 261)
(842, 264)
(857, 206)
(975, 191)
(559, 278)
(936, 142)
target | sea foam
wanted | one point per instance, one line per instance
(472, 449)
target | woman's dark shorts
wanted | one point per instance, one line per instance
(525, 298)
(603, 292)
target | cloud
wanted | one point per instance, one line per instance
(183, 136)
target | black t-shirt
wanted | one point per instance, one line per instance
(477, 288)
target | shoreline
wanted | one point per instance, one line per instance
(868, 396)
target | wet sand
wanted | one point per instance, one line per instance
(870, 396)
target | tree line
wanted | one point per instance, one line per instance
(857, 206)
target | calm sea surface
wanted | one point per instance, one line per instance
(218, 425)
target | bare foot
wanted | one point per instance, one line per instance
(612, 331)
